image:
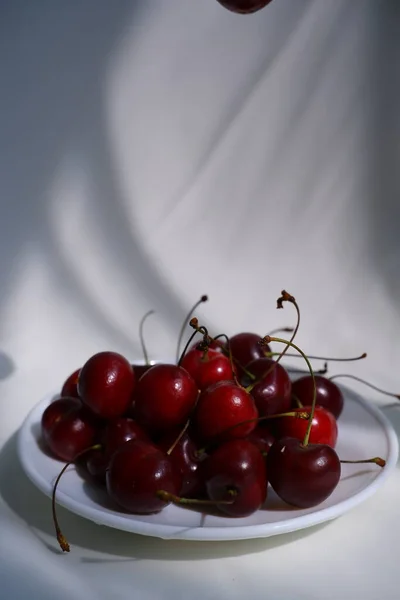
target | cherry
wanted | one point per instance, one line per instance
(186, 459)
(54, 412)
(328, 393)
(106, 384)
(207, 367)
(137, 471)
(165, 397)
(117, 432)
(245, 348)
(272, 388)
(262, 437)
(70, 387)
(236, 470)
(302, 475)
(244, 6)
(222, 412)
(70, 433)
(324, 428)
(140, 370)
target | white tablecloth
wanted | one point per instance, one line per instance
(156, 150)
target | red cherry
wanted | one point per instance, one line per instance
(54, 412)
(236, 470)
(324, 428)
(213, 345)
(137, 471)
(262, 437)
(72, 433)
(96, 465)
(271, 393)
(245, 348)
(106, 384)
(244, 6)
(328, 394)
(186, 460)
(220, 408)
(207, 368)
(70, 387)
(303, 476)
(140, 370)
(164, 398)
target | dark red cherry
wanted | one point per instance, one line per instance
(106, 384)
(222, 412)
(236, 471)
(262, 437)
(164, 398)
(324, 428)
(328, 393)
(245, 348)
(96, 465)
(137, 471)
(140, 370)
(272, 393)
(71, 434)
(54, 412)
(303, 476)
(70, 387)
(244, 6)
(207, 368)
(186, 459)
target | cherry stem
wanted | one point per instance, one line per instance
(187, 345)
(182, 331)
(228, 343)
(325, 358)
(181, 434)
(374, 387)
(322, 371)
(168, 497)
(377, 460)
(281, 330)
(146, 357)
(267, 340)
(60, 537)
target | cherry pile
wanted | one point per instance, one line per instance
(216, 428)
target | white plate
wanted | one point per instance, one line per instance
(363, 432)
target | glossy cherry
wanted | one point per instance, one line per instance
(70, 386)
(262, 437)
(106, 384)
(244, 6)
(136, 472)
(303, 476)
(187, 460)
(223, 411)
(208, 367)
(69, 433)
(245, 348)
(55, 411)
(165, 397)
(328, 393)
(324, 429)
(236, 471)
(272, 392)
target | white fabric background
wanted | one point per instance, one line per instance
(156, 150)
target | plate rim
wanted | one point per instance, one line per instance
(219, 533)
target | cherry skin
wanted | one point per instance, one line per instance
(137, 471)
(54, 412)
(328, 394)
(272, 393)
(214, 345)
(245, 348)
(207, 368)
(324, 429)
(244, 6)
(106, 384)
(70, 387)
(222, 413)
(140, 370)
(164, 398)
(187, 460)
(72, 433)
(236, 471)
(262, 437)
(302, 476)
